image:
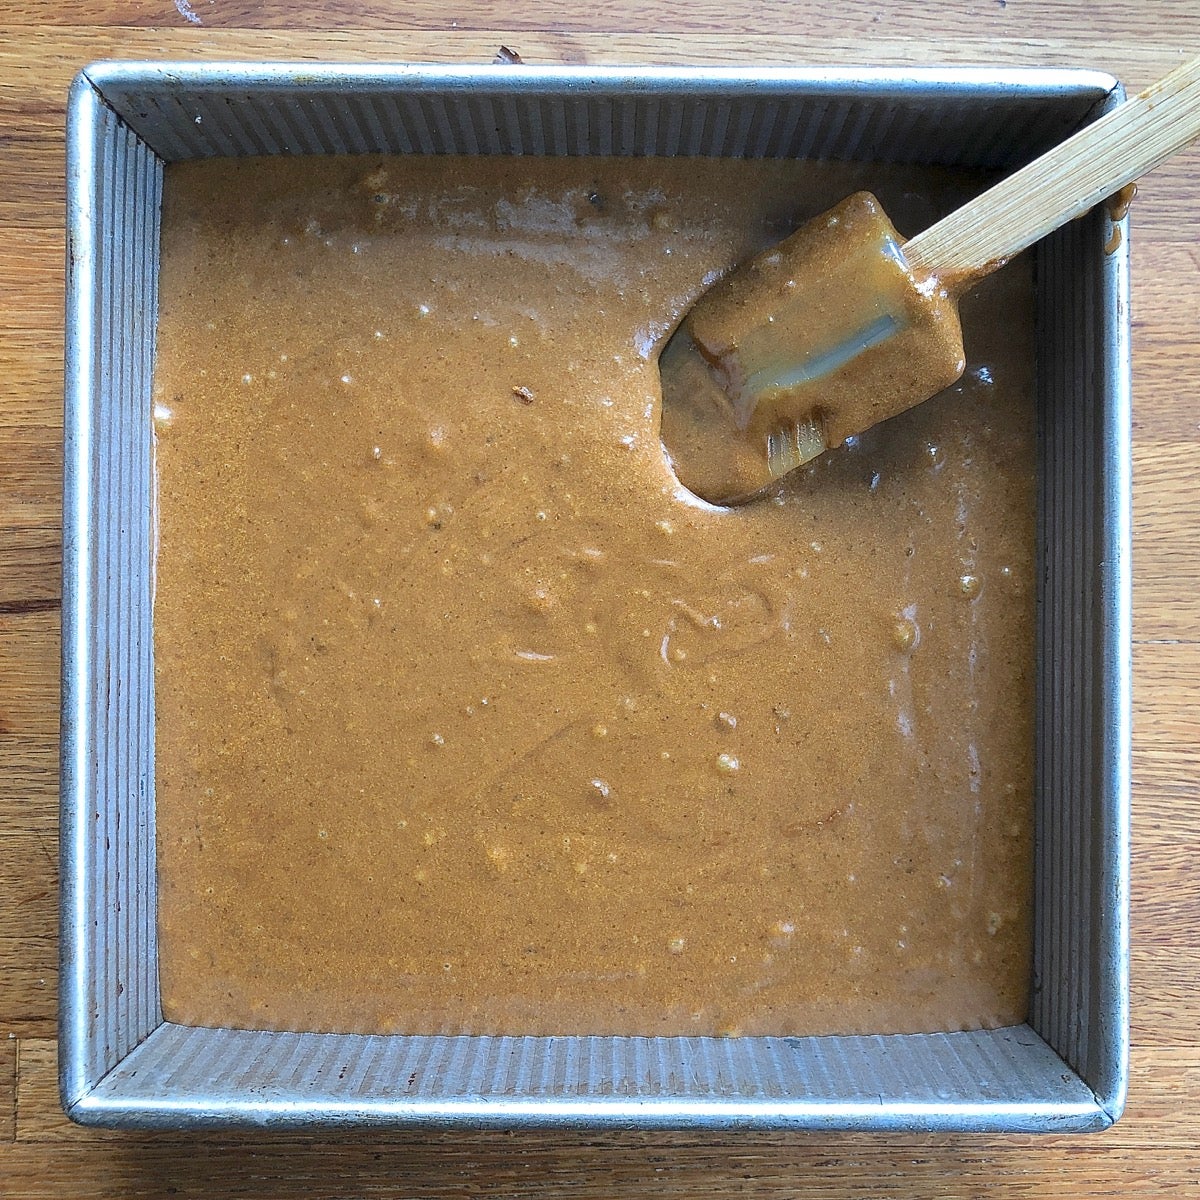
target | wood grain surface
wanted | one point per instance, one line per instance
(1152, 1151)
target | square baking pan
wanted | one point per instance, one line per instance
(122, 1065)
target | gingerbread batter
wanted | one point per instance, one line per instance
(471, 719)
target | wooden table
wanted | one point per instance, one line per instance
(1153, 1149)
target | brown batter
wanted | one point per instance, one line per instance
(471, 719)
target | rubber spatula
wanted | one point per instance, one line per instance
(844, 323)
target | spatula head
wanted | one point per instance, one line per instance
(799, 348)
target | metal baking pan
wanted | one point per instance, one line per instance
(122, 1065)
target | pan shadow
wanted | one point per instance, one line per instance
(524, 1164)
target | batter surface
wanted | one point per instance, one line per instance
(469, 718)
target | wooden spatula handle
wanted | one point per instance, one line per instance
(1064, 183)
